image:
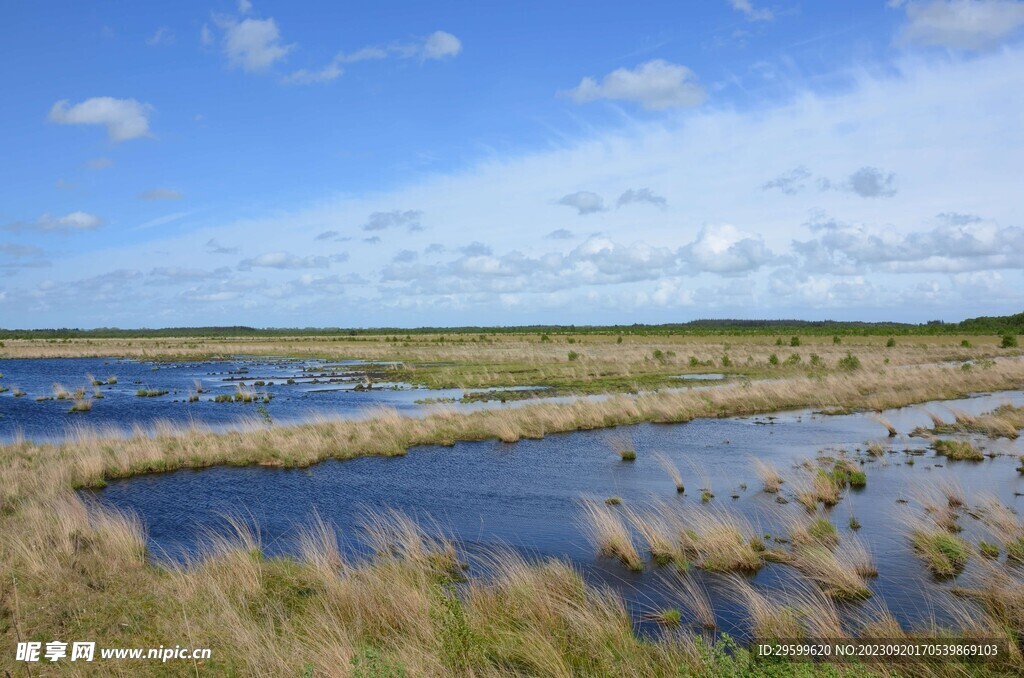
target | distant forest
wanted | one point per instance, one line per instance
(1012, 324)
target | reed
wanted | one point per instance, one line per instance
(771, 480)
(671, 469)
(610, 534)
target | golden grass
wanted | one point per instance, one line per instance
(771, 479)
(671, 469)
(608, 531)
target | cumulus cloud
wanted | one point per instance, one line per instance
(285, 260)
(74, 221)
(327, 235)
(655, 85)
(961, 24)
(160, 194)
(750, 12)
(726, 250)
(440, 45)
(584, 202)
(124, 118)
(253, 45)
(871, 182)
(954, 245)
(641, 195)
(214, 247)
(380, 221)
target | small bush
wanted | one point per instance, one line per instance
(966, 344)
(988, 550)
(836, 339)
(1009, 341)
(773, 360)
(850, 363)
(944, 554)
(794, 341)
(573, 356)
(958, 449)
(890, 343)
(816, 360)
(793, 359)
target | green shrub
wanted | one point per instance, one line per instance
(849, 363)
(1009, 341)
(890, 343)
(573, 356)
(794, 341)
(958, 449)
(773, 359)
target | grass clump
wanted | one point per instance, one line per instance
(958, 450)
(988, 550)
(672, 470)
(613, 501)
(81, 405)
(850, 363)
(944, 554)
(771, 480)
(611, 535)
(150, 392)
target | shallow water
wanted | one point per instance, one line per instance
(321, 389)
(527, 495)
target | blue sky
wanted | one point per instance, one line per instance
(311, 164)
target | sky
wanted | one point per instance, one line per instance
(302, 164)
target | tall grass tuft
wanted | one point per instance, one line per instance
(671, 469)
(770, 477)
(610, 534)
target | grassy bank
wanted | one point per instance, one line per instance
(70, 571)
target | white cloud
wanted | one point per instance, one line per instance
(584, 202)
(380, 221)
(750, 12)
(124, 118)
(959, 243)
(641, 195)
(726, 250)
(160, 194)
(252, 44)
(441, 45)
(75, 221)
(436, 46)
(162, 36)
(962, 24)
(244, 6)
(285, 260)
(655, 85)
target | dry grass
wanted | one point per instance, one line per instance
(671, 469)
(609, 533)
(771, 480)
